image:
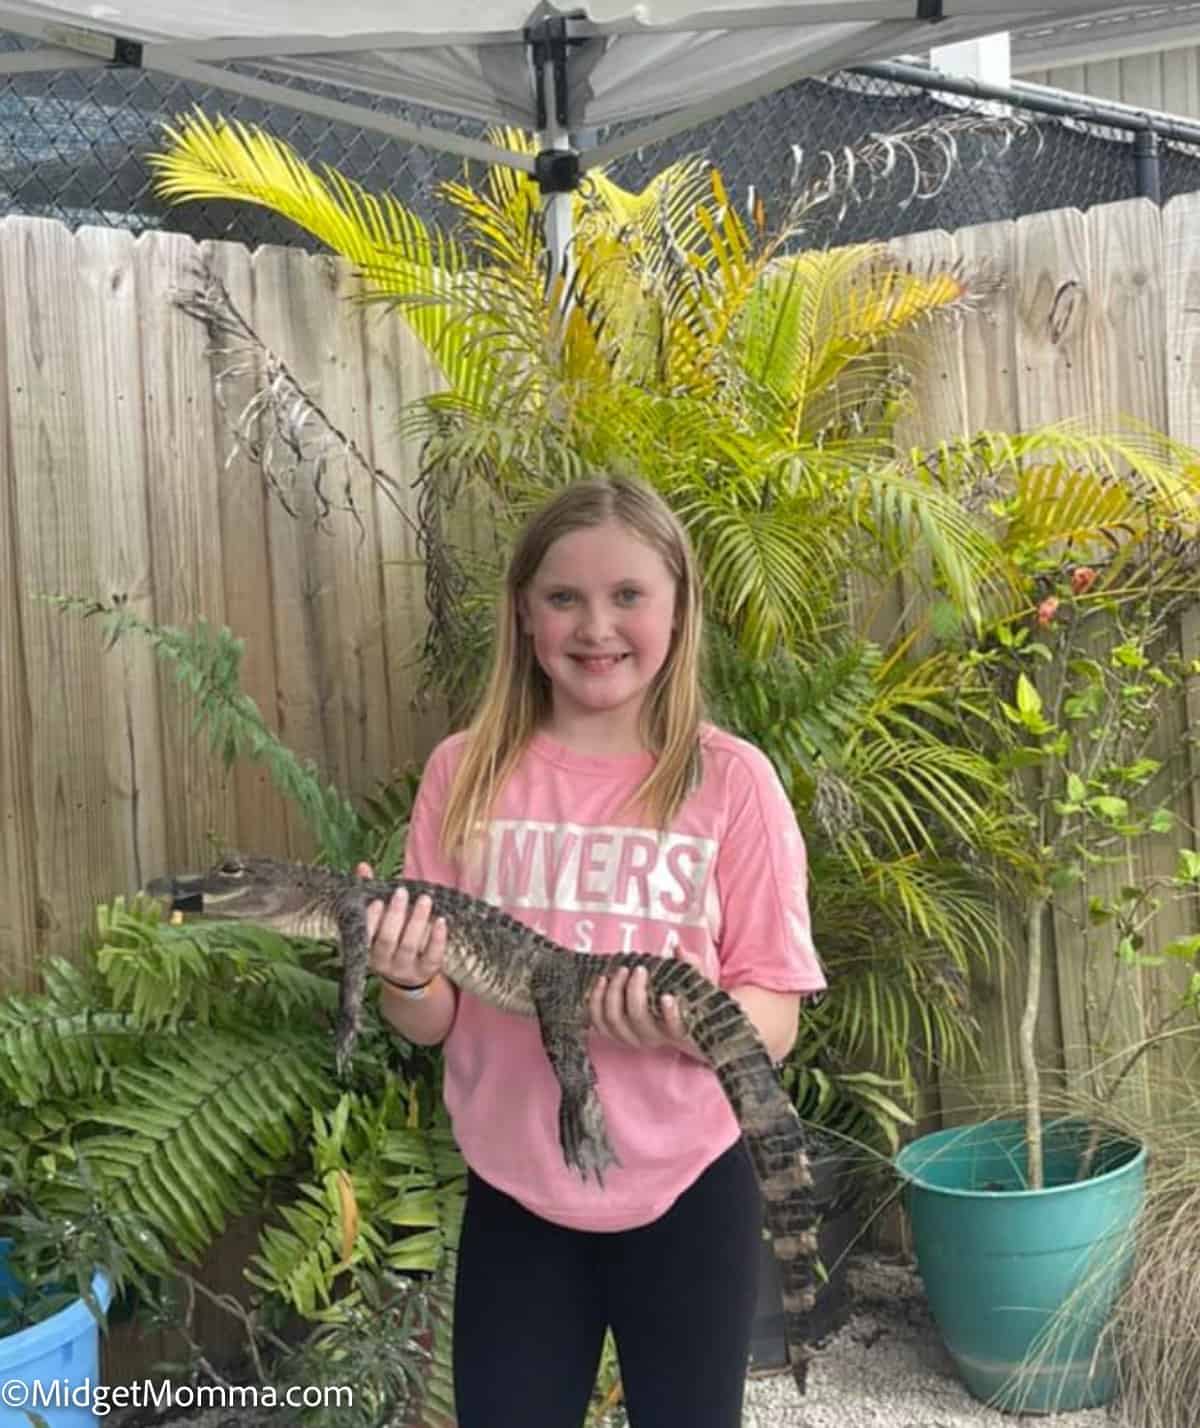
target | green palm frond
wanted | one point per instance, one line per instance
(858, 1106)
(765, 567)
(903, 511)
(801, 707)
(897, 936)
(1095, 515)
(665, 212)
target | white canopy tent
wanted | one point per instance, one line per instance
(562, 73)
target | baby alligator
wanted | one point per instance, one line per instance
(502, 961)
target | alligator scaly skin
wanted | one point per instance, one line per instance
(509, 965)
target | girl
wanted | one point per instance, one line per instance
(589, 798)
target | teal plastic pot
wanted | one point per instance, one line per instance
(61, 1355)
(1021, 1282)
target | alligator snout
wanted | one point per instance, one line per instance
(180, 896)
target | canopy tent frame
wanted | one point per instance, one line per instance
(547, 39)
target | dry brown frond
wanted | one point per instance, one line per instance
(282, 429)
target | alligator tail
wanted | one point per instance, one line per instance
(775, 1139)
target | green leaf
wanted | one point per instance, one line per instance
(1108, 807)
(1140, 770)
(1076, 789)
(1187, 868)
(1100, 911)
(1029, 702)
(1128, 656)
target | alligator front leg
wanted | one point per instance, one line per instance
(582, 1131)
(356, 955)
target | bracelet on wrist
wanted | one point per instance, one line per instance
(414, 993)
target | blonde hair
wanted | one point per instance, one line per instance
(517, 697)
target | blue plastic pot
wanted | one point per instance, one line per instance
(62, 1351)
(1021, 1282)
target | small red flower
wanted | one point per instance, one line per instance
(1083, 577)
(1046, 610)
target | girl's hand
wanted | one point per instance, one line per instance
(620, 1009)
(407, 948)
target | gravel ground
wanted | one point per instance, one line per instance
(885, 1368)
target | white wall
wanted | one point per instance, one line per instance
(1167, 80)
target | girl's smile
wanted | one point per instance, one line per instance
(599, 664)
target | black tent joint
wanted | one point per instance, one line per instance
(127, 52)
(930, 10)
(557, 170)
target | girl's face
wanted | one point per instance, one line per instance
(600, 610)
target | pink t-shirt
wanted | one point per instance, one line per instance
(726, 888)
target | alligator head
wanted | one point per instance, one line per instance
(265, 891)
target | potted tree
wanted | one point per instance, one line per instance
(1023, 1228)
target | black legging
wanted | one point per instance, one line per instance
(533, 1300)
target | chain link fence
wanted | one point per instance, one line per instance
(73, 146)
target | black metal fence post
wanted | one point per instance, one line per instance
(1147, 161)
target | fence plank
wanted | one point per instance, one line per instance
(182, 498)
(111, 395)
(55, 550)
(357, 608)
(1125, 241)
(18, 807)
(992, 404)
(1129, 336)
(935, 354)
(399, 371)
(261, 819)
(989, 333)
(1181, 346)
(1055, 381)
(1054, 319)
(291, 290)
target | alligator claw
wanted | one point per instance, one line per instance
(582, 1134)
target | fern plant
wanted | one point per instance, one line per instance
(180, 1075)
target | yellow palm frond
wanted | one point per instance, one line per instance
(815, 330)
(473, 322)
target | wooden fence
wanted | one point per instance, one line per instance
(116, 482)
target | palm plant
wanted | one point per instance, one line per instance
(757, 384)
